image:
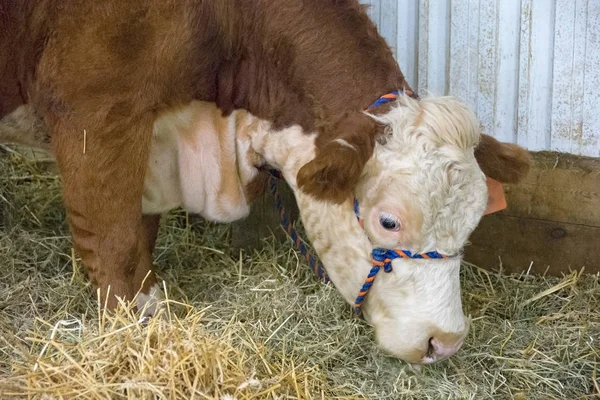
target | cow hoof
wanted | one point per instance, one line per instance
(149, 304)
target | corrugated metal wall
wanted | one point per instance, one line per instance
(530, 69)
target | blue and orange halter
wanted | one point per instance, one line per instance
(380, 258)
(391, 96)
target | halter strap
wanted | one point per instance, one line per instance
(286, 223)
(392, 96)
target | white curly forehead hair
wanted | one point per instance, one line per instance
(424, 173)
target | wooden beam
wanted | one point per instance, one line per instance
(549, 247)
(560, 187)
(551, 223)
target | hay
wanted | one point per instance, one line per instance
(259, 325)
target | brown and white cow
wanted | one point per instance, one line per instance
(106, 73)
(423, 174)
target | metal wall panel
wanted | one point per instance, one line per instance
(529, 69)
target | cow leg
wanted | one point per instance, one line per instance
(102, 171)
(144, 277)
(151, 223)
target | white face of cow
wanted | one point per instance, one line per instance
(422, 191)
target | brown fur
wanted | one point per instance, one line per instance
(109, 67)
(504, 162)
(337, 165)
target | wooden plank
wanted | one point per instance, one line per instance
(560, 187)
(568, 76)
(552, 219)
(459, 62)
(520, 243)
(507, 77)
(530, 69)
(487, 64)
(406, 42)
(464, 53)
(437, 47)
(534, 108)
(524, 72)
(472, 54)
(423, 52)
(388, 19)
(590, 138)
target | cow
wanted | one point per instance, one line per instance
(425, 168)
(102, 76)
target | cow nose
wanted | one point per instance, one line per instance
(441, 348)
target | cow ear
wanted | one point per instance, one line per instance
(504, 162)
(338, 165)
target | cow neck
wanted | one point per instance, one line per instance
(307, 65)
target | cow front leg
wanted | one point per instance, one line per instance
(144, 278)
(102, 166)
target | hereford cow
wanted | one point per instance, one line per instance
(101, 74)
(421, 189)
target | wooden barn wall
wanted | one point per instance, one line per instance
(529, 69)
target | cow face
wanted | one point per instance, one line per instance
(422, 191)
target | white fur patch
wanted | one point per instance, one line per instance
(345, 143)
(150, 301)
(426, 165)
(162, 191)
(287, 150)
(199, 153)
(197, 163)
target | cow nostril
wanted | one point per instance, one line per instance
(438, 350)
(430, 348)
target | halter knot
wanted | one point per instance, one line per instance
(381, 258)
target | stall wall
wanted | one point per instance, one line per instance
(530, 69)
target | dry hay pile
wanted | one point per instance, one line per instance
(259, 326)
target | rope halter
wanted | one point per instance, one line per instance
(380, 258)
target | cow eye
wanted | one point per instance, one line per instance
(389, 222)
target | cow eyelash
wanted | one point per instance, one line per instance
(389, 222)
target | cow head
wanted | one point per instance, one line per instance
(422, 190)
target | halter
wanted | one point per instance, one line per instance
(379, 257)
(391, 96)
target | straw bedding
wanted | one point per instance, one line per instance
(259, 326)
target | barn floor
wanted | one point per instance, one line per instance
(260, 326)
